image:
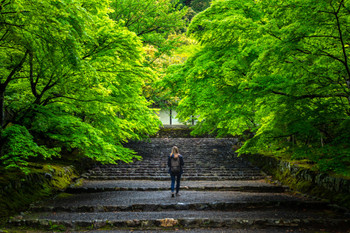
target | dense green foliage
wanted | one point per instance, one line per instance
(160, 26)
(76, 77)
(153, 21)
(276, 69)
(72, 76)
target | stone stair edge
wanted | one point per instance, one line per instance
(183, 178)
(168, 223)
(263, 189)
(199, 206)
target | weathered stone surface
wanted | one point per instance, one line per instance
(321, 185)
(91, 186)
(205, 159)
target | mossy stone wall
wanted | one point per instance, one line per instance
(173, 132)
(178, 131)
(303, 179)
(19, 191)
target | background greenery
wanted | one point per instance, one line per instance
(73, 76)
(79, 78)
(274, 71)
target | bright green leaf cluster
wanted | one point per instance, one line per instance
(19, 146)
(73, 78)
(277, 69)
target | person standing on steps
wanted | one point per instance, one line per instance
(175, 164)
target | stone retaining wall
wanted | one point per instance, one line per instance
(321, 185)
(19, 192)
(173, 132)
(179, 131)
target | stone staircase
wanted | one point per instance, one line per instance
(206, 159)
(220, 193)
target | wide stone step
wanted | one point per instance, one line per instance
(127, 198)
(161, 176)
(189, 159)
(213, 165)
(187, 168)
(88, 186)
(197, 142)
(231, 164)
(186, 173)
(126, 177)
(223, 188)
(221, 206)
(165, 172)
(154, 184)
(185, 219)
(194, 166)
(166, 176)
(162, 169)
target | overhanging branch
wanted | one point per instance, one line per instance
(311, 96)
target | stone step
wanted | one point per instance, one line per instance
(218, 206)
(186, 173)
(143, 165)
(87, 186)
(206, 230)
(165, 173)
(223, 188)
(198, 142)
(167, 177)
(198, 153)
(192, 169)
(212, 164)
(188, 162)
(137, 198)
(164, 168)
(241, 188)
(184, 219)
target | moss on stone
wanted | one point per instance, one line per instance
(64, 195)
(78, 183)
(19, 191)
(302, 176)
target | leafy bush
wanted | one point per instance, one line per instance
(18, 147)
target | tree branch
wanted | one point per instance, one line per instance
(10, 24)
(3, 36)
(343, 46)
(148, 31)
(311, 96)
(31, 75)
(17, 68)
(13, 12)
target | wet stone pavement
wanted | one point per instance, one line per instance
(219, 193)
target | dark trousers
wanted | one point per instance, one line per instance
(177, 178)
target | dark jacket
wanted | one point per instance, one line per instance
(181, 163)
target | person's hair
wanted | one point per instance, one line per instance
(175, 150)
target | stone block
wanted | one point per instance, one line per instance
(168, 222)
